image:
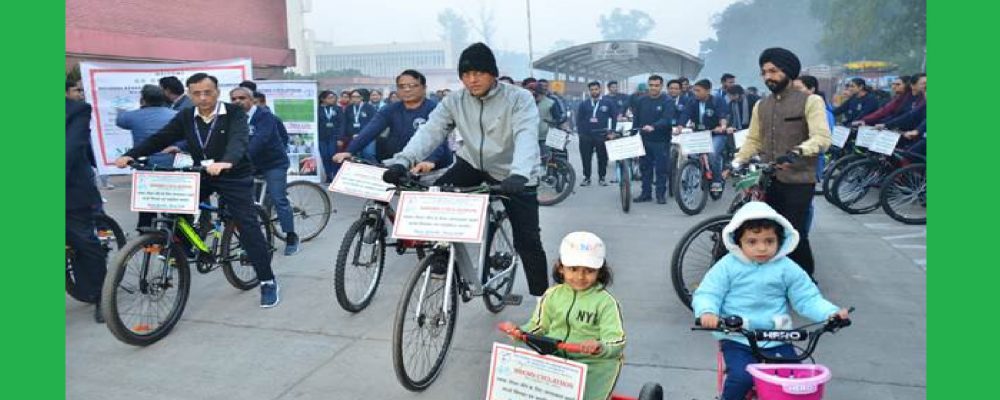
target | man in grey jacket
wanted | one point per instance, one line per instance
(499, 127)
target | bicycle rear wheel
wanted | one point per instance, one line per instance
(857, 188)
(834, 171)
(421, 336)
(695, 254)
(146, 289)
(357, 272)
(501, 259)
(904, 194)
(691, 193)
(624, 171)
(311, 210)
(557, 183)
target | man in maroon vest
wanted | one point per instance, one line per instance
(789, 128)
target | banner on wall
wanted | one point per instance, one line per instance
(295, 102)
(113, 88)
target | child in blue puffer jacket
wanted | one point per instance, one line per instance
(756, 281)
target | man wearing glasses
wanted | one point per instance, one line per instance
(402, 118)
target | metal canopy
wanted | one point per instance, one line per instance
(611, 59)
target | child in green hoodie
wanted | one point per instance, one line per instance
(579, 309)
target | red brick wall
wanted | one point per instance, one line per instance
(187, 30)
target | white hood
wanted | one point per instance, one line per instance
(759, 210)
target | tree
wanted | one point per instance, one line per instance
(635, 25)
(887, 30)
(484, 25)
(454, 29)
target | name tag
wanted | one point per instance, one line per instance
(357, 125)
(329, 124)
(593, 120)
(207, 162)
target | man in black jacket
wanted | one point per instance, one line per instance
(217, 134)
(82, 199)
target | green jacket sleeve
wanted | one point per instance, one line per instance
(612, 329)
(539, 323)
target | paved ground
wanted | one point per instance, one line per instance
(225, 347)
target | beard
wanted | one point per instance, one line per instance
(777, 86)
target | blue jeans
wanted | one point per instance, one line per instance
(656, 160)
(327, 148)
(715, 159)
(738, 356)
(277, 189)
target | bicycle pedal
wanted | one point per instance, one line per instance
(513, 299)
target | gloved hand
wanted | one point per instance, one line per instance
(395, 175)
(514, 184)
(789, 158)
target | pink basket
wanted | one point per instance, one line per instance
(789, 381)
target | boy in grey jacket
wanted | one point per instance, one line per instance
(499, 127)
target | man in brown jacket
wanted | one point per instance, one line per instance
(788, 127)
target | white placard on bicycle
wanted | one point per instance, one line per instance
(441, 216)
(695, 142)
(626, 147)
(866, 136)
(360, 180)
(839, 135)
(740, 137)
(515, 373)
(885, 142)
(165, 192)
(556, 138)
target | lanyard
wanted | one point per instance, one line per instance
(357, 114)
(701, 113)
(328, 110)
(593, 104)
(211, 128)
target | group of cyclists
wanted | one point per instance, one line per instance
(490, 131)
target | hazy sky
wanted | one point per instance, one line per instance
(680, 24)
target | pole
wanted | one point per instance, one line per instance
(531, 55)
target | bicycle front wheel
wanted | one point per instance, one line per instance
(422, 332)
(146, 289)
(691, 193)
(359, 265)
(557, 183)
(311, 209)
(832, 172)
(857, 188)
(695, 254)
(624, 185)
(904, 194)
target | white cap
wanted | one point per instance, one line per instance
(582, 249)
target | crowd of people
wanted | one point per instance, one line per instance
(493, 131)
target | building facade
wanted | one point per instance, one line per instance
(384, 60)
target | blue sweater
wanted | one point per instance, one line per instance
(659, 113)
(715, 109)
(607, 111)
(364, 114)
(145, 122)
(857, 107)
(268, 141)
(758, 292)
(402, 124)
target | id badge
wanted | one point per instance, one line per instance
(357, 125)
(329, 124)
(593, 120)
(205, 163)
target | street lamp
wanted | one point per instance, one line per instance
(530, 52)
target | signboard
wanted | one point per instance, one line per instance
(839, 135)
(439, 216)
(614, 51)
(363, 181)
(518, 374)
(740, 137)
(695, 142)
(113, 88)
(626, 147)
(165, 192)
(556, 139)
(885, 142)
(295, 102)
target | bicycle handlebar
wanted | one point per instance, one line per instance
(542, 344)
(142, 165)
(734, 324)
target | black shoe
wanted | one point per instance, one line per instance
(586, 182)
(661, 200)
(642, 198)
(98, 318)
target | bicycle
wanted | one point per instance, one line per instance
(545, 345)
(857, 189)
(904, 194)
(136, 297)
(624, 170)
(702, 245)
(111, 237)
(310, 205)
(367, 236)
(691, 183)
(428, 309)
(774, 377)
(559, 179)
